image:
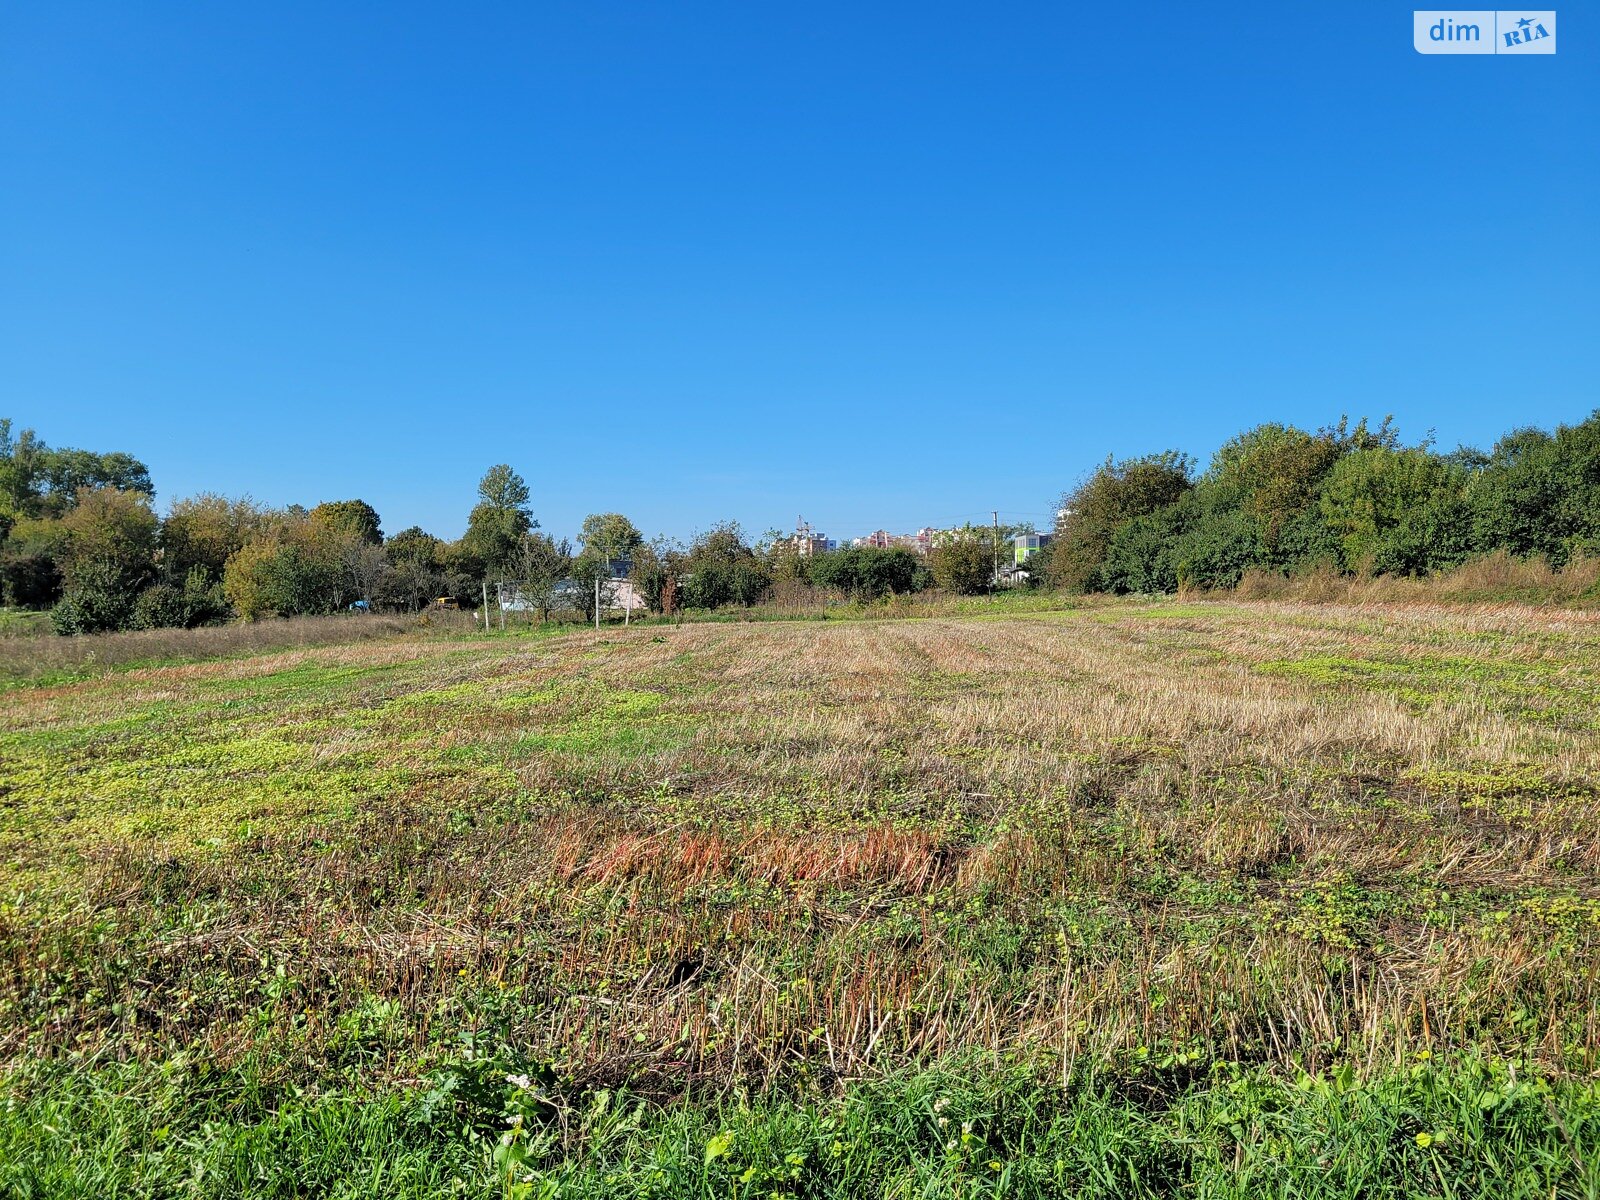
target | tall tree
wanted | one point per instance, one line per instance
(499, 519)
(67, 472)
(610, 536)
(202, 531)
(1115, 494)
(38, 481)
(22, 467)
(350, 518)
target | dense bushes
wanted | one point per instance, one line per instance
(104, 548)
(1115, 495)
(963, 561)
(720, 569)
(868, 572)
(1345, 499)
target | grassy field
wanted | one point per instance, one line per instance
(20, 622)
(42, 658)
(1120, 900)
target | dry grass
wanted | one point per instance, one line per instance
(814, 851)
(43, 656)
(1498, 578)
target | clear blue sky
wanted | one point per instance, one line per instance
(877, 264)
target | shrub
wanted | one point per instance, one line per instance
(159, 606)
(197, 601)
(721, 569)
(866, 572)
(29, 577)
(1540, 492)
(97, 601)
(298, 568)
(963, 562)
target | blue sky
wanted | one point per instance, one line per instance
(882, 265)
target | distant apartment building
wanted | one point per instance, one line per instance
(815, 544)
(919, 542)
(807, 542)
(1025, 545)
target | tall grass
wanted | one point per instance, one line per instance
(57, 659)
(22, 622)
(1498, 578)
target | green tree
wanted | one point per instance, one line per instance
(611, 536)
(1372, 493)
(68, 472)
(38, 481)
(415, 545)
(1539, 493)
(499, 519)
(296, 567)
(415, 573)
(962, 561)
(106, 550)
(608, 540)
(1113, 495)
(22, 468)
(351, 519)
(1271, 473)
(720, 569)
(204, 530)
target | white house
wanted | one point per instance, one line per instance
(619, 595)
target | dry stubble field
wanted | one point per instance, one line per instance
(1122, 899)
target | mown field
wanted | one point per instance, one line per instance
(1118, 900)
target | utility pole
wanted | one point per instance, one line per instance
(597, 600)
(486, 604)
(500, 599)
(995, 578)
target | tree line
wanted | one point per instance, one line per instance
(1350, 497)
(81, 537)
